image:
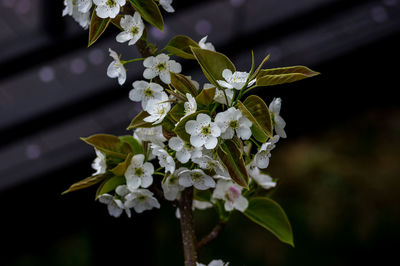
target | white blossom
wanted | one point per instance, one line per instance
(152, 134)
(196, 178)
(141, 200)
(219, 96)
(206, 162)
(184, 151)
(99, 164)
(164, 159)
(279, 123)
(263, 154)
(231, 121)
(79, 10)
(235, 80)
(116, 69)
(231, 194)
(143, 92)
(171, 186)
(138, 173)
(115, 206)
(206, 45)
(166, 4)
(133, 29)
(203, 132)
(160, 66)
(108, 8)
(190, 106)
(157, 109)
(262, 179)
(84, 5)
(214, 263)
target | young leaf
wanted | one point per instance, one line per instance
(232, 159)
(177, 112)
(109, 144)
(97, 27)
(87, 182)
(259, 67)
(275, 76)
(268, 214)
(120, 169)
(138, 121)
(110, 184)
(212, 64)
(183, 84)
(180, 128)
(149, 11)
(180, 46)
(206, 96)
(134, 144)
(255, 109)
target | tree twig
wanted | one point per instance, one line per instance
(212, 235)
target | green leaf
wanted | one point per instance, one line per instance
(180, 128)
(109, 144)
(110, 184)
(168, 124)
(120, 169)
(206, 96)
(275, 76)
(180, 46)
(135, 145)
(253, 75)
(183, 84)
(87, 182)
(212, 63)
(138, 121)
(268, 214)
(177, 112)
(232, 159)
(97, 27)
(149, 11)
(256, 110)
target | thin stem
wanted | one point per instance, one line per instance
(132, 60)
(212, 235)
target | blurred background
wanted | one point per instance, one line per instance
(338, 168)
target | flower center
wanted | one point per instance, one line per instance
(161, 66)
(148, 92)
(139, 171)
(111, 3)
(233, 193)
(188, 146)
(206, 130)
(173, 180)
(141, 197)
(234, 124)
(134, 30)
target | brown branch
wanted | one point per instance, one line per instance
(211, 236)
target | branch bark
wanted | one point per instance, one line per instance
(211, 236)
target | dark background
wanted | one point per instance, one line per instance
(338, 168)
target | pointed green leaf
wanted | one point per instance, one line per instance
(149, 11)
(256, 110)
(180, 46)
(87, 182)
(110, 184)
(109, 144)
(212, 63)
(183, 84)
(232, 159)
(180, 127)
(253, 75)
(268, 214)
(168, 124)
(135, 145)
(177, 112)
(275, 76)
(138, 121)
(120, 169)
(206, 96)
(97, 27)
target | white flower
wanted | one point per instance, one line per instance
(231, 194)
(171, 186)
(203, 132)
(201, 205)
(79, 11)
(262, 179)
(190, 106)
(279, 123)
(141, 200)
(143, 92)
(196, 178)
(236, 80)
(206, 162)
(99, 164)
(206, 45)
(166, 4)
(152, 134)
(116, 69)
(157, 109)
(164, 159)
(139, 174)
(108, 8)
(232, 121)
(263, 154)
(184, 151)
(115, 206)
(133, 29)
(160, 66)
(220, 96)
(214, 263)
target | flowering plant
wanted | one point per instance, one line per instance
(195, 147)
